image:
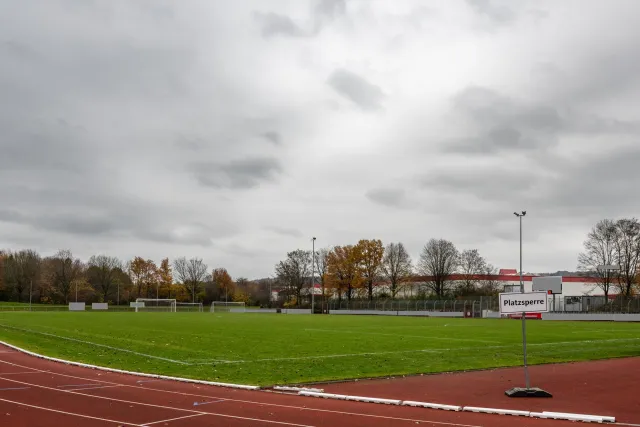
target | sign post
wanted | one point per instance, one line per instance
(521, 302)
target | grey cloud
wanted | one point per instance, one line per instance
(274, 24)
(273, 137)
(392, 197)
(488, 183)
(501, 124)
(323, 13)
(326, 11)
(358, 90)
(498, 14)
(291, 232)
(236, 174)
(97, 213)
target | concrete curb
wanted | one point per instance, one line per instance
(139, 374)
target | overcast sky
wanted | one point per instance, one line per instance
(236, 130)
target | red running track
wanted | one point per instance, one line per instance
(36, 392)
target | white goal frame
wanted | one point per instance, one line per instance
(172, 303)
(235, 307)
(190, 304)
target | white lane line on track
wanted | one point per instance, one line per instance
(19, 373)
(97, 387)
(402, 335)
(251, 402)
(124, 350)
(70, 413)
(160, 406)
(172, 419)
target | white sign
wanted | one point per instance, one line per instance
(530, 302)
(76, 306)
(99, 306)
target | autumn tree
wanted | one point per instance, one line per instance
(192, 273)
(438, 261)
(102, 274)
(165, 278)
(600, 248)
(22, 270)
(3, 286)
(294, 271)
(371, 253)
(344, 270)
(471, 267)
(223, 283)
(144, 275)
(64, 271)
(396, 266)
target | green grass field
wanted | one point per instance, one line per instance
(268, 349)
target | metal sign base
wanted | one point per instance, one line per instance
(527, 392)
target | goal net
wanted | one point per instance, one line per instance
(153, 304)
(189, 306)
(227, 307)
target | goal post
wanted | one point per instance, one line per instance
(155, 304)
(227, 307)
(189, 306)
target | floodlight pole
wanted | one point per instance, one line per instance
(524, 324)
(313, 273)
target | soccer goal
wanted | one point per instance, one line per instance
(227, 307)
(153, 304)
(189, 306)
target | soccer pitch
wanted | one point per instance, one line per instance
(269, 349)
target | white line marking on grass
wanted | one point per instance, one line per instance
(251, 402)
(94, 344)
(424, 350)
(173, 419)
(402, 335)
(69, 413)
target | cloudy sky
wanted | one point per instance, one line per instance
(236, 130)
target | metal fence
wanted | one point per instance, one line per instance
(559, 304)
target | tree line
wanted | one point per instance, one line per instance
(367, 269)
(62, 278)
(354, 271)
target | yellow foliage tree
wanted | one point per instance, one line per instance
(223, 281)
(344, 272)
(165, 279)
(371, 253)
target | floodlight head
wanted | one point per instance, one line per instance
(313, 238)
(516, 214)
(524, 213)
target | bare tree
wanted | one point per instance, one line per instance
(438, 261)
(471, 266)
(192, 273)
(489, 285)
(396, 266)
(321, 262)
(64, 271)
(22, 269)
(103, 273)
(293, 272)
(628, 253)
(600, 248)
